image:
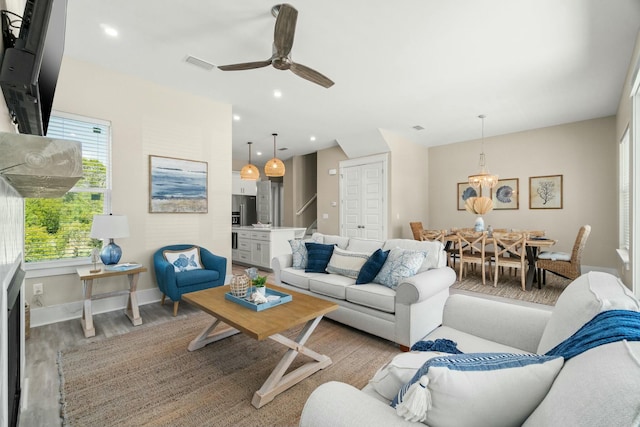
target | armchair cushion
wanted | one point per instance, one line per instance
(194, 277)
(183, 260)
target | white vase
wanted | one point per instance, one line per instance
(479, 224)
(262, 290)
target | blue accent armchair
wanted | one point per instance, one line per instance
(174, 284)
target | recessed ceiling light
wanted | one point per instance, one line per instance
(313, 138)
(259, 153)
(236, 117)
(277, 94)
(109, 30)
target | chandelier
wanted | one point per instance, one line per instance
(484, 178)
(274, 167)
(249, 172)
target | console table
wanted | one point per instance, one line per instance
(87, 277)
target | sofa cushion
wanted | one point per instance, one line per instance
(183, 260)
(372, 267)
(468, 343)
(435, 256)
(195, 277)
(299, 254)
(399, 371)
(400, 263)
(599, 387)
(479, 389)
(298, 278)
(346, 263)
(583, 298)
(318, 256)
(374, 296)
(367, 246)
(331, 285)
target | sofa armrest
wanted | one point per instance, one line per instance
(505, 323)
(336, 404)
(418, 288)
(278, 263)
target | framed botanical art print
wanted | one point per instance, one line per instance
(545, 192)
(464, 192)
(177, 185)
(506, 194)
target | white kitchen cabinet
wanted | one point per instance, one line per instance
(241, 186)
(256, 247)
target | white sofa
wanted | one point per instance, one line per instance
(599, 387)
(404, 315)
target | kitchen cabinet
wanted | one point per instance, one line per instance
(256, 247)
(241, 186)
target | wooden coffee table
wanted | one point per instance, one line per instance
(268, 323)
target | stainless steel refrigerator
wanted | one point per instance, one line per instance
(246, 205)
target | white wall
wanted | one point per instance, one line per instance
(147, 119)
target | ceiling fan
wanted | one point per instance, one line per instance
(286, 17)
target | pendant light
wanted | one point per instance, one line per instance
(249, 172)
(274, 167)
(483, 178)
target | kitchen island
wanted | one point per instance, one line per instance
(257, 246)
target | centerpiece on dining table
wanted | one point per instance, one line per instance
(479, 206)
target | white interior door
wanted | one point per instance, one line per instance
(362, 202)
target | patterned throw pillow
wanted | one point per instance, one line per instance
(372, 267)
(479, 388)
(184, 260)
(299, 251)
(318, 257)
(346, 263)
(400, 263)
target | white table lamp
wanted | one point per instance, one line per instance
(110, 227)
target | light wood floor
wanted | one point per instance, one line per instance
(41, 393)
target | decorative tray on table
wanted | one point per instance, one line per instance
(274, 298)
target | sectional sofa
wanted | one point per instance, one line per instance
(590, 386)
(404, 314)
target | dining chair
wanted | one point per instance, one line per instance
(471, 250)
(416, 229)
(510, 251)
(437, 235)
(564, 264)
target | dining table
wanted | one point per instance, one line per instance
(533, 245)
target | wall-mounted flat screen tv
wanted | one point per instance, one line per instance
(31, 62)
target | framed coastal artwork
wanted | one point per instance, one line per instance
(177, 185)
(465, 191)
(545, 192)
(506, 194)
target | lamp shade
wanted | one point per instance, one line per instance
(109, 227)
(274, 167)
(249, 172)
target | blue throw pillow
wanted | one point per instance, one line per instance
(372, 267)
(318, 256)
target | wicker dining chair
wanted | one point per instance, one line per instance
(471, 250)
(564, 264)
(416, 229)
(510, 251)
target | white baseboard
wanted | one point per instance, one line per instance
(73, 310)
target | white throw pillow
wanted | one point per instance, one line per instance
(478, 389)
(346, 263)
(400, 264)
(600, 387)
(435, 251)
(399, 371)
(588, 295)
(555, 256)
(184, 260)
(299, 254)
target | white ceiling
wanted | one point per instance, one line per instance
(437, 64)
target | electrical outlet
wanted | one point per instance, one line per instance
(38, 289)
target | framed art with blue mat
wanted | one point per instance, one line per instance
(464, 191)
(506, 194)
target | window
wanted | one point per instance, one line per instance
(58, 229)
(625, 230)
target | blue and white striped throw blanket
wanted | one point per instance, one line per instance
(606, 327)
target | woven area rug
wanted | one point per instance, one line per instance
(510, 287)
(148, 377)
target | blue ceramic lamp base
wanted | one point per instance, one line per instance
(111, 253)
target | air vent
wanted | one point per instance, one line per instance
(418, 127)
(200, 63)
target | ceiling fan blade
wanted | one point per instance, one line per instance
(245, 65)
(311, 75)
(285, 29)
